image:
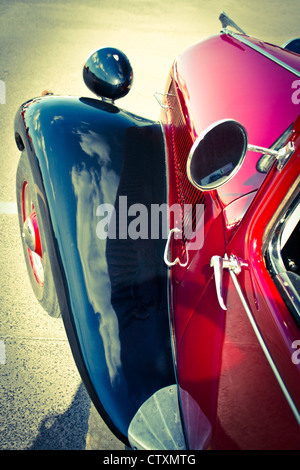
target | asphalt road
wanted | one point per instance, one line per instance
(43, 404)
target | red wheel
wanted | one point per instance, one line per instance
(33, 240)
(31, 234)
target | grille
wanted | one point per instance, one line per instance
(181, 143)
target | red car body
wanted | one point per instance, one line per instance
(223, 373)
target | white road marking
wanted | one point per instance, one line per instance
(2, 353)
(8, 208)
(2, 92)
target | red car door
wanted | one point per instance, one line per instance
(258, 405)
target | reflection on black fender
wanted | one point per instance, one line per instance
(113, 293)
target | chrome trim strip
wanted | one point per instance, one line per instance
(286, 279)
(264, 347)
(281, 233)
(285, 282)
(263, 52)
(290, 225)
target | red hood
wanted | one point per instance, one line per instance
(221, 78)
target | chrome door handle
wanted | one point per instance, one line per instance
(166, 253)
(219, 264)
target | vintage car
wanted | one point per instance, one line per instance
(171, 248)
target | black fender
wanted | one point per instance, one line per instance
(112, 293)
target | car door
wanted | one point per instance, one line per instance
(259, 387)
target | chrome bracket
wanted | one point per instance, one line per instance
(157, 96)
(166, 253)
(282, 155)
(233, 264)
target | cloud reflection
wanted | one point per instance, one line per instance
(93, 187)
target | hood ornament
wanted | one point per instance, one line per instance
(226, 21)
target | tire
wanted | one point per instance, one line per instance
(36, 256)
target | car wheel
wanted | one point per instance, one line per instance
(33, 240)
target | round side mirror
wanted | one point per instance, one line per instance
(107, 73)
(217, 154)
